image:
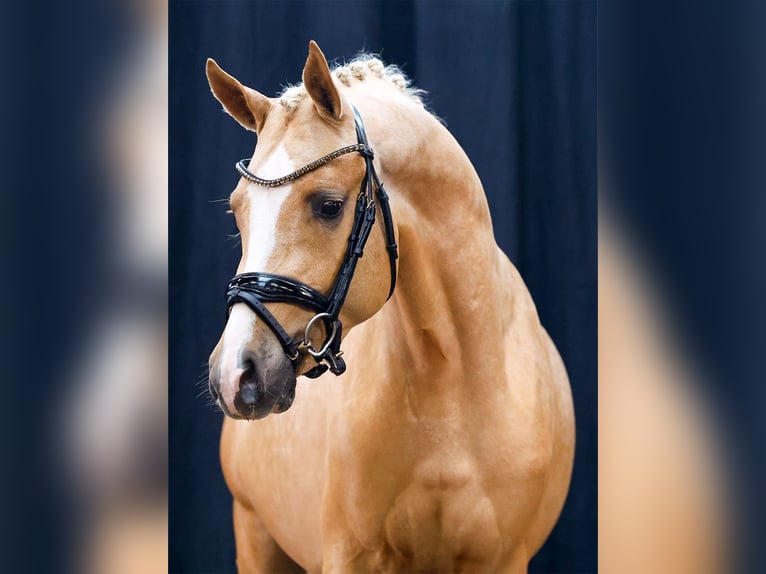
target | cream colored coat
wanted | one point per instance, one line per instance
(447, 446)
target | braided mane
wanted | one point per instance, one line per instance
(359, 69)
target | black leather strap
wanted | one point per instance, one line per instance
(272, 288)
(372, 182)
(388, 227)
(360, 232)
(237, 295)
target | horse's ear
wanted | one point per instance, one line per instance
(319, 85)
(244, 104)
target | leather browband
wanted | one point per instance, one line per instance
(256, 289)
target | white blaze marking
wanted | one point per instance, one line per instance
(236, 336)
(265, 205)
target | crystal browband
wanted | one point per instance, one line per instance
(243, 164)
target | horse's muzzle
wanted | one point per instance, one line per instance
(262, 383)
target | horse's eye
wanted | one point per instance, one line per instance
(330, 209)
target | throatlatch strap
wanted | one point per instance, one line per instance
(388, 225)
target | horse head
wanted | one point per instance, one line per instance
(297, 224)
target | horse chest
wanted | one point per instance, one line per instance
(440, 520)
(439, 524)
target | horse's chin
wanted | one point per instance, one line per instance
(285, 400)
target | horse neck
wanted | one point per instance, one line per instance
(452, 300)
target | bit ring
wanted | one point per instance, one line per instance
(306, 343)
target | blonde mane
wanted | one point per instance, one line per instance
(357, 69)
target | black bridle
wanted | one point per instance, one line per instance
(257, 289)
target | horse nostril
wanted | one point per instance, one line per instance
(248, 394)
(247, 361)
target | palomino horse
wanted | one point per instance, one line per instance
(447, 445)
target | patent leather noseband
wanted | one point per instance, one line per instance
(257, 289)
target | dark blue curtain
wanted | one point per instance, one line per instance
(515, 83)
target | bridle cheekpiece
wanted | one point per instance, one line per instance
(256, 289)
